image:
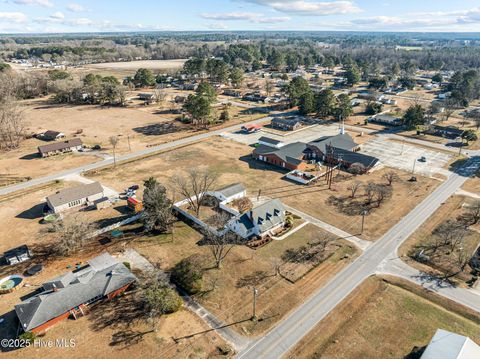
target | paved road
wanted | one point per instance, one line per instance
(395, 266)
(293, 328)
(129, 156)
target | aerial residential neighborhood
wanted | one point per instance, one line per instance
(240, 179)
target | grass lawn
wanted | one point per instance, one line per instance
(233, 163)
(383, 319)
(472, 185)
(228, 291)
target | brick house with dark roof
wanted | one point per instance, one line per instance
(70, 294)
(290, 157)
(295, 156)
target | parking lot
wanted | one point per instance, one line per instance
(403, 156)
(391, 153)
(305, 135)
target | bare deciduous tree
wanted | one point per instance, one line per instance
(220, 244)
(193, 186)
(114, 142)
(72, 233)
(370, 192)
(159, 96)
(391, 177)
(472, 216)
(12, 125)
(381, 192)
(354, 187)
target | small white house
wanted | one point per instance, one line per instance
(229, 193)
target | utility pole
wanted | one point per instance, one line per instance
(255, 293)
(414, 163)
(460, 147)
(364, 212)
(128, 139)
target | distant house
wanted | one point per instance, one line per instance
(75, 197)
(56, 148)
(370, 96)
(256, 97)
(286, 124)
(270, 142)
(52, 135)
(447, 345)
(385, 119)
(180, 99)
(189, 87)
(71, 294)
(259, 221)
(233, 93)
(147, 97)
(17, 255)
(449, 132)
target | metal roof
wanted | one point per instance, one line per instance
(232, 189)
(447, 345)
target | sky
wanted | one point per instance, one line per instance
(44, 16)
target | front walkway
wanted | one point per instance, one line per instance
(361, 243)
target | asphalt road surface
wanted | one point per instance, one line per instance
(293, 328)
(133, 155)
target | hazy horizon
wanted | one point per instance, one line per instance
(88, 16)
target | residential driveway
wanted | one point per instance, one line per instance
(403, 156)
(306, 135)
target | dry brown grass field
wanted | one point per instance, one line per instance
(232, 161)
(385, 319)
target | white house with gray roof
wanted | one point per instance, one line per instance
(72, 293)
(229, 193)
(75, 197)
(259, 221)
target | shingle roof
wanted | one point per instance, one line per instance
(352, 157)
(51, 134)
(232, 189)
(265, 216)
(60, 145)
(291, 152)
(75, 193)
(447, 345)
(103, 276)
(342, 141)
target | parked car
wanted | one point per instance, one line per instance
(423, 159)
